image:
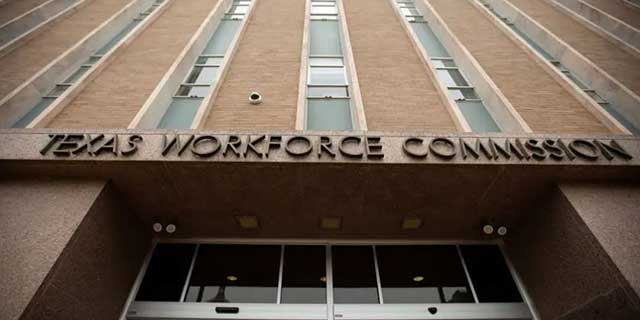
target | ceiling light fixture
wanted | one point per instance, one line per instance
(487, 229)
(411, 223)
(502, 230)
(331, 223)
(418, 278)
(171, 228)
(248, 222)
(232, 278)
(157, 226)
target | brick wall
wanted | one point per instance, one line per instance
(113, 98)
(268, 61)
(396, 90)
(26, 60)
(540, 100)
(605, 54)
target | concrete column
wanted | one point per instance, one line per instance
(578, 252)
(71, 250)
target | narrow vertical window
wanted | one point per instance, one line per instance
(204, 74)
(77, 74)
(166, 273)
(613, 109)
(304, 277)
(458, 88)
(328, 102)
(354, 275)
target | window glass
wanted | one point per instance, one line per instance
(327, 75)
(210, 60)
(407, 11)
(325, 38)
(58, 90)
(235, 273)
(354, 278)
(326, 62)
(223, 36)
(328, 114)
(166, 274)
(462, 94)
(429, 40)
(443, 63)
(324, 10)
(202, 75)
(180, 113)
(322, 92)
(193, 91)
(303, 275)
(477, 116)
(451, 78)
(33, 113)
(489, 273)
(238, 9)
(422, 274)
(318, 17)
(76, 75)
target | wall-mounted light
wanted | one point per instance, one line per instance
(171, 228)
(502, 230)
(255, 98)
(157, 227)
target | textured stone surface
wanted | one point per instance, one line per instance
(567, 273)
(23, 62)
(37, 221)
(604, 53)
(13, 8)
(94, 275)
(115, 96)
(267, 60)
(396, 90)
(612, 214)
(539, 98)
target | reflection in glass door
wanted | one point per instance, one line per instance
(327, 281)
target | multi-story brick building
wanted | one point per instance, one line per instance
(319, 159)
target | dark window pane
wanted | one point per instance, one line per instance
(489, 273)
(354, 277)
(235, 273)
(167, 272)
(304, 276)
(422, 274)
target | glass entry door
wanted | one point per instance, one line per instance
(326, 281)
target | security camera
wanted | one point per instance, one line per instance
(255, 98)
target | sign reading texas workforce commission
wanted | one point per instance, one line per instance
(330, 147)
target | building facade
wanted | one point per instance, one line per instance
(319, 159)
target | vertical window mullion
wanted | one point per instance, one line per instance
(375, 264)
(186, 283)
(466, 272)
(279, 295)
(329, 270)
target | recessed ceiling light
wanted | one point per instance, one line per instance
(323, 279)
(232, 278)
(418, 278)
(331, 223)
(411, 223)
(502, 230)
(171, 228)
(248, 222)
(487, 229)
(157, 227)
